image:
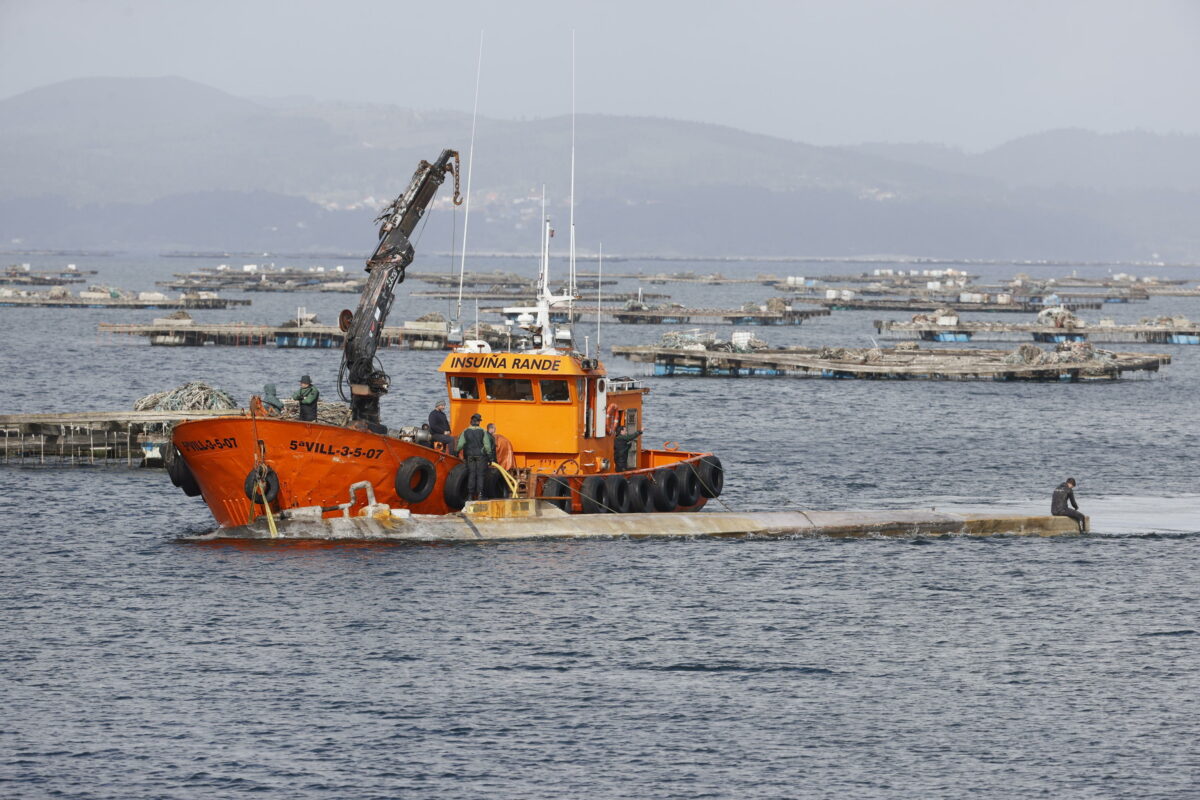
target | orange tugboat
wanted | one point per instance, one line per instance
(557, 407)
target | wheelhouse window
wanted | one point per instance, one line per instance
(464, 388)
(520, 389)
(556, 391)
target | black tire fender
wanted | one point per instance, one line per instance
(181, 474)
(641, 493)
(494, 485)
(557, 492)
(666, 490)
(712, 476)
(415, 479)
(454, 490)
(617, 489)
(689, 484)
(269, 478)
(594, 494)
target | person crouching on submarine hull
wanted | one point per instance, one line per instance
(1064, 495)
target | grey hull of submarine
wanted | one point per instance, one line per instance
(510, 520)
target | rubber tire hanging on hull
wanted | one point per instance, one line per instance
(454, 490)
(666, 490)
(423, 470)
(272, 485)
(557, 492)
(689, 484)
(641, 493)
(594, 495)
(181, 474)
(494, 485)
(617, 489)
(712, 476)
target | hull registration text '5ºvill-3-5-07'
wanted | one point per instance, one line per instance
(333, 450)
(199, 446)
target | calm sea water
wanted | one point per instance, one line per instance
(137, 665)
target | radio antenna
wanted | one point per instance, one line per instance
(599, 293)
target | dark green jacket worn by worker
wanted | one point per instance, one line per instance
(308, 402)
(307, 396)
(475, 442)
(270, 398)
(621, 444)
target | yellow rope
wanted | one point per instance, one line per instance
(262, 493)
(509, 479)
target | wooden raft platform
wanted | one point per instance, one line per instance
(509, 520)
(935, 365)
(76, 302)
(172, 333)
(857, 304)
(683, 316)
(92, 437)
(1014, 331)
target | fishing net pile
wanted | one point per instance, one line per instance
(774, 305)
(180, 315)
(192, 396)
(688, 340)
(113, 292)
(435, 316)
(872, 355)
(1178, 321)
(933, 316)
(1059, 317)
(494, 335)
(328, 413)
(1084, 353)
(634, 304)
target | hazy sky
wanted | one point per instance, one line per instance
(965, 73)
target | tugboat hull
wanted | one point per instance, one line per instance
(314, 466)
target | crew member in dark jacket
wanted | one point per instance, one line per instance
(271, 401)
(622, 444)
(307, 396)
(476, 447)
(439, 426)
(1063, 496)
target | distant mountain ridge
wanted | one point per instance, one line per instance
(167, 162)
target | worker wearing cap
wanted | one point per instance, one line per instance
(439, 427)
(477, 448)
(307, 396)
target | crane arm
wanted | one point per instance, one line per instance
(385, 269)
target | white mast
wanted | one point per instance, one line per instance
(545, 300)
(462, 271)
(571, 287)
